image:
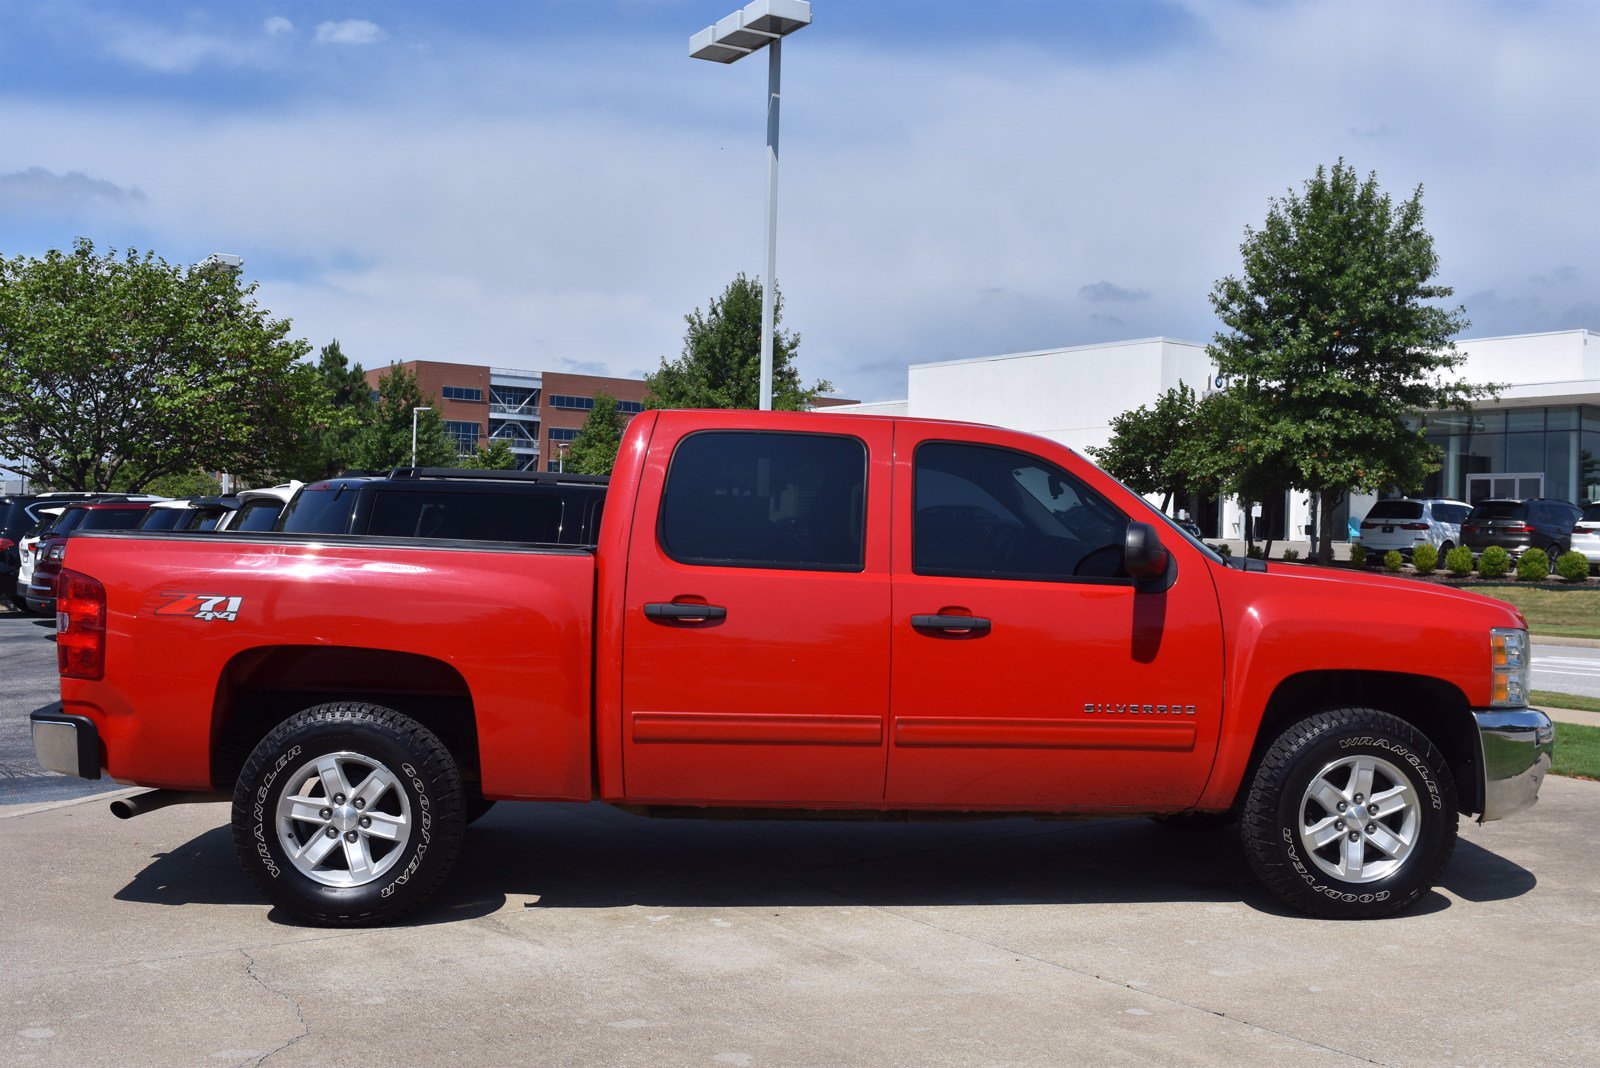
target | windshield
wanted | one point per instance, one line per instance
(1396, 510)
(321, 509)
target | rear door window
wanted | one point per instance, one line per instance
(465, 515)
(258, 515)
(768, 500)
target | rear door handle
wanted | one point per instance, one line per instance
(952, 624)
(676, 612)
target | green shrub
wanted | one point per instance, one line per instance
(1574, 567)
(1291, 554)
(1425, 558)
(1533, 566)
(1458, 561)
(1494, 562)
(1255, 552)
(1223, 549)
(1358, 555)
(1393, 561)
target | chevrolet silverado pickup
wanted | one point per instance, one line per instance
(794, 614)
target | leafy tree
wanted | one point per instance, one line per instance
(1146, 447)
(496, 456)
(343, 409)
(386, 439)
(594, 450)
(1334, 330)
(182, 484)
(118, 371)
(1228, 453)
(720, 366)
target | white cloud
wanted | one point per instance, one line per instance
(37, 189)
(349, 32)
(277, 26)
(175, 52)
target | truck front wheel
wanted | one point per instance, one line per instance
(1351, 815)
(348, 814)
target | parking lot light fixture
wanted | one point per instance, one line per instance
(757, 25)
(414, 411)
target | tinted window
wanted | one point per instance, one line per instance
(1591, 513)
(742, 499)
(162, 518)
(1498, 510)
(70, 520)
(1454, 513)
(112, 519)
(995, 513)
(321, 509)
(258, 515)
(1397, 510)
(205, 520)
(465, 516)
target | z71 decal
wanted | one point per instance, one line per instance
(201, 606)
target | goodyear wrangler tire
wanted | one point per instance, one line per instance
(348, 814)
(1351, 815)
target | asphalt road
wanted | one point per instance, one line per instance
(1566, 670)
(27, 682)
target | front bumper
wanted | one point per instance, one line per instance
(1515, 747)
(67, 744)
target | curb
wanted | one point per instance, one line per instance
(1574, 716)
(9, 812)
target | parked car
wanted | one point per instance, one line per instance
(189, 513)
(453, 504)
(28, 551)
(21, 515)
(1586, 534)
(791, 613)
(260, 509)
(52, 548)
(1519, 525)
(1403, 523)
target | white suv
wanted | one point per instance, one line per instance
(1586, 533)
(1404, 523)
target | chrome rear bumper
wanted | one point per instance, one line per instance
(1515, 747)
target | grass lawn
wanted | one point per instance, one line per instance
(1577, 751)
(1543, 698)
(1569, 613)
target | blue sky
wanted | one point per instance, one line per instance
(553, 185)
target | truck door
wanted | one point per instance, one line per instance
(756, 636)
(1029, 672)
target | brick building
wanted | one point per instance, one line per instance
(536, 412)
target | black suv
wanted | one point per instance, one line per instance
(454, 504)
(1517, 526)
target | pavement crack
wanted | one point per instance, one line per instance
(293, 1003)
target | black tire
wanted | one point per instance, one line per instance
(1553, 553)
(1444, 551)
(1278, 801)
(426, 794)
(1198, 821)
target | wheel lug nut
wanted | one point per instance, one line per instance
(326, 813)
(366, 821)
(1355, 837)
(361, 802)
(1358, 799)
(338, 799)
(332, 833)
(350, 836)
(1371, 827)
(1338, 824)
(1341, 806)
(1372, 809)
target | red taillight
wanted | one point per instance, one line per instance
(1581, 528)
(1516, 528)
(1369, 526)
(1470, 528)
(80, 626)
(1414, 526)
(6, 543)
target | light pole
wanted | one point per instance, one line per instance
(561, 457)
(231, 262)
(414, 411)
(757, 25)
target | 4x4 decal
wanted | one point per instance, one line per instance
(201, 606)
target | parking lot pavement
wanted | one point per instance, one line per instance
(1565, 669)
(28, 681)
(584, 935)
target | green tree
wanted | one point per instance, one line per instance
(495, 456)
(594, 450)
(182, 484)
(385, 441)
(1334, 330)
(1228, 452)
(121, 370)
(720, 366)
(1146, 447)
(342, 411)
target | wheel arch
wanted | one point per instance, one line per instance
(261, 687)
(1437, 708)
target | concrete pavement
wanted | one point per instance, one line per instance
(1565, 669)
(584, 935)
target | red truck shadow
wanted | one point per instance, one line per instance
(593, 856)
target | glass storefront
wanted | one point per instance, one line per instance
(1549, 452)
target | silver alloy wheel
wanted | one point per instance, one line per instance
(1360, 819)
(339, 833)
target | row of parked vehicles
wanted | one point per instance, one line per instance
(443, 503)
(1515, 525)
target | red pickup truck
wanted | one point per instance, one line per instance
(803, 614)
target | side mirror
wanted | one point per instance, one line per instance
(1143, 555)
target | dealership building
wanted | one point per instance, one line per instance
(1539, 437)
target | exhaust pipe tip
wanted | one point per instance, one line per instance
(121, 809)
(125, 808)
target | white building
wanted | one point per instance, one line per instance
(1540, 437)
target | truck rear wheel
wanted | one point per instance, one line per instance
(348, 814)
(1351, 815)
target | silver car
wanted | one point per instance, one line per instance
(1586, 533)
(1404, 523)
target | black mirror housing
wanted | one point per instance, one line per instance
(1144, 558)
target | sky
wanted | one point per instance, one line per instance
(555, 185)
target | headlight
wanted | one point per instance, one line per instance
(1508, 662)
